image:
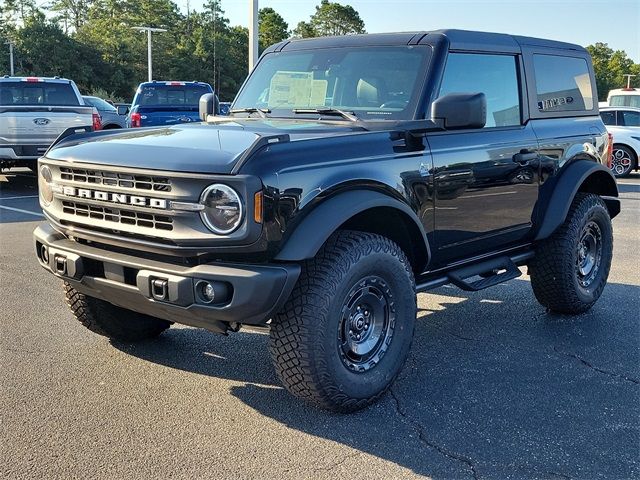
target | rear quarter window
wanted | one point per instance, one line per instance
(563, 84)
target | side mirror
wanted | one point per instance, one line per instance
(122, 110)
(460, 110)
(209, 105)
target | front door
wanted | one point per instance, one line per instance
(485, 180)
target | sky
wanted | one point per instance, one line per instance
(585, 22)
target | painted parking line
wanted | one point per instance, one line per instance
(19, 210)
(18, 197)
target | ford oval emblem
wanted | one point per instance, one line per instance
(41, 121)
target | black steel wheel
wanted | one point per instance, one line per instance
(345, 332)
(367, 324)
(589, 254)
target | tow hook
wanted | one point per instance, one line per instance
(60, 264)
(159, 289)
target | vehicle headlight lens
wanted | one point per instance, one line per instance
(223, 210)
(44, 183)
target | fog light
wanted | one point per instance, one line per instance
(206, 291)
(44, 254)
(212, 292)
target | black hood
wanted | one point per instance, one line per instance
(202, 148)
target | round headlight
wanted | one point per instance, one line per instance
(44, 183)
(222, 212)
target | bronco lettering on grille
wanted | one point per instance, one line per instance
(120, 198)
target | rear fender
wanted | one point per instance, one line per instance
(579, 176)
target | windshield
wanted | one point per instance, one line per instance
(100, 104)
(170, 95)
(37, 93)
(625, 100)
(381, 83)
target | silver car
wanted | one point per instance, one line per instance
(108, 113)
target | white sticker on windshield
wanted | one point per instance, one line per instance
(296, 89)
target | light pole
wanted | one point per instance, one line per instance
(629, 77)
(149, 30)
(10, 43)
(253, 33)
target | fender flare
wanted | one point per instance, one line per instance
(314, 229)
(567, 186)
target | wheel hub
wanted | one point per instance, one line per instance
(589, 254)
(367, 323)
(620, 161)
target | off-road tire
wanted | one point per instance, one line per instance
(305, 335)
(554, 269)
(112, 321)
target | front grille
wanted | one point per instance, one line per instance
(113, 179)
(117, 215)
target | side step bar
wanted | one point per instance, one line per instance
(493, 271)
(489, 270)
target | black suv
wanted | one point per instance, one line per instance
(351, 173)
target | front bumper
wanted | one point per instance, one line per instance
(255, 292)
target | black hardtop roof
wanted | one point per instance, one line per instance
(458, 40)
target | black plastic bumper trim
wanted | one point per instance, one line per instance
(258, 291)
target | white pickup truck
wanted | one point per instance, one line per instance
(34, 111)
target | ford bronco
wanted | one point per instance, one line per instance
(351, 173)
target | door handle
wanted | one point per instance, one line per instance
(525, 156)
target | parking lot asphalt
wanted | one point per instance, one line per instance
(494, 387)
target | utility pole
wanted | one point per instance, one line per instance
(253, 33)
(10, 43)
(149, 30)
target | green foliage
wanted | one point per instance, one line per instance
(331, 18)
(102, 93)
(71, 14)
(272, 28)
(610, 67)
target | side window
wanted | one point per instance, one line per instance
(609, 118)
(494, 75)
(563, 84)
(630, 118)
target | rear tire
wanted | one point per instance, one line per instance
(111, 321)
(570, 268)
(344, 334)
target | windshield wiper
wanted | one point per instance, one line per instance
(328, 111)
(262, 112)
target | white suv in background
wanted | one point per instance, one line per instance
(624, 124)
(624, 97)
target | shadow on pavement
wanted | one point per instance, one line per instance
(18, 197)
(494, 387)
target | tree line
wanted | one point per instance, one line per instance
(93, 43)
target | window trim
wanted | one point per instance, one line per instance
(528, 52)
(521, 84)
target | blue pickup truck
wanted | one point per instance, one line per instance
(166, 103)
